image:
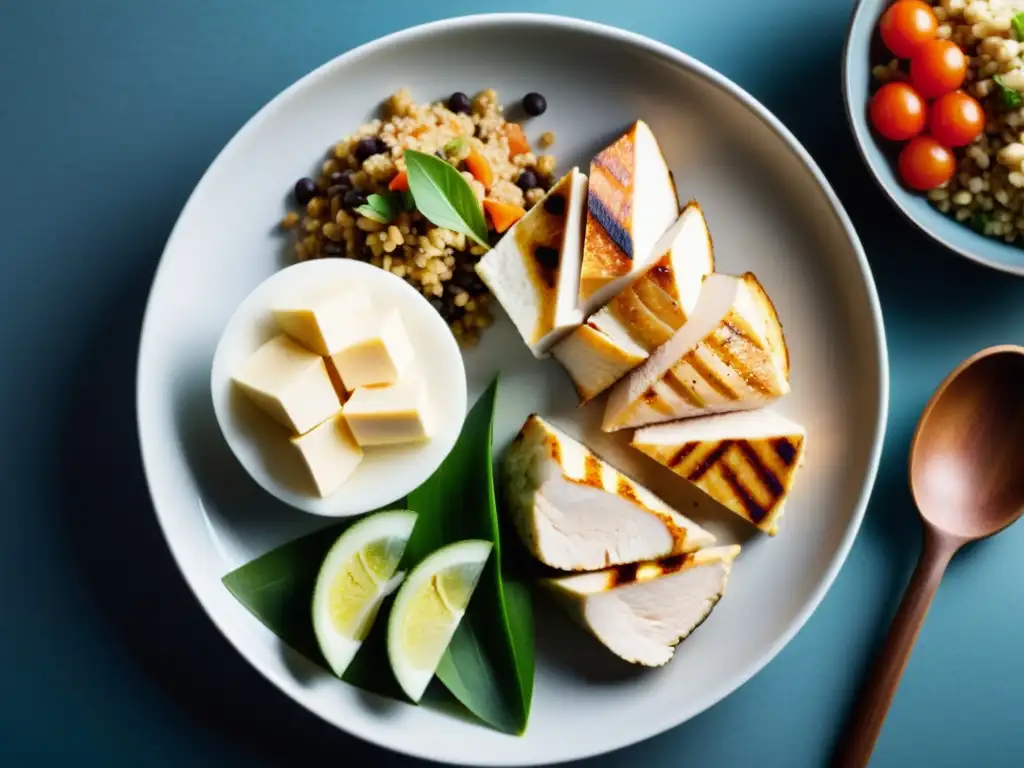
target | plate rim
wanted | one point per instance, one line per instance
(664, 52)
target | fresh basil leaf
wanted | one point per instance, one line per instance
(1018, 25)
(381, 208)
(444, 197)
(407, 201)
(1011, 96)
(455, 145)
(489, 665)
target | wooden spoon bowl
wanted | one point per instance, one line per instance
(967, 479)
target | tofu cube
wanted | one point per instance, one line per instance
(388, 415)
(330, 453)
(377, 352)
(323, 322)
(290, 383)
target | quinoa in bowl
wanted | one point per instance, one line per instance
(438, 262)
(987, 189)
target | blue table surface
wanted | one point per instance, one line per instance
(109, 113)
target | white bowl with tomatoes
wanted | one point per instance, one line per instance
(931, 93)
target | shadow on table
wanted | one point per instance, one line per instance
(122, 558)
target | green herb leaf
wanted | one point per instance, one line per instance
(381, 208)
(979, 220)
(407, 201)
(490, 663)
(444, 197)
(1018, 25)
(1011, 97)
(455, 145)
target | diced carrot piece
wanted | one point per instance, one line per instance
(517, 143)
(503, 215)
(477, 165)
(400, 183)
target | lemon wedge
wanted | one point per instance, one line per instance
(357, 574)
(428, 608)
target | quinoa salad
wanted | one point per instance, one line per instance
(506, 174)
(986, 188)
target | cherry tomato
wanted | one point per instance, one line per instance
(925, 164)
(897, 112)
(955, 119)
(938, 67)
(906, 26)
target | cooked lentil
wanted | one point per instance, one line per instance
(437, 261)
(987, 191)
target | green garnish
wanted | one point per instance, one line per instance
(407, 201)
(1011, 96)
(444, 197)
(381, 208)
(454, 145)
(979, 221)
(1018, 25)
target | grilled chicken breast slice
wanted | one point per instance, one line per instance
(640, 612)
(729, 356)
(645, 313)
(576, 512)
(746, 460)
(631, 201)
(534, 270)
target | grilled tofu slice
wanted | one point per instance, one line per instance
(631, 201)
(729, 356)
(576, 512)
(645, 314)
(640, 612)
(745, 460)
(534, 270)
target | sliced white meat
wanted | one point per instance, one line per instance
(746, 460)
(729, 356)
(631, 202)
(575, 511)
(642, 611)
(534, 271)
(645, 313)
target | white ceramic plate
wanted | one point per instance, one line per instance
(770, 211)
(384, 474)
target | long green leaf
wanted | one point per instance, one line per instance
(489, 664)
(443, 196)
(277, 588)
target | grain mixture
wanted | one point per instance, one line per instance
(437, 261)
(988, 189)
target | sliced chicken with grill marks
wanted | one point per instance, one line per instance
(729, 356)
(575, 511)
(631, 201)
(645, 314)
(641, 611)
(534, 271)
(745, 460)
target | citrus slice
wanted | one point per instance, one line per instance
(357, 574)
(427, 611)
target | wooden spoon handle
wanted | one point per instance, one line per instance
(865, 723)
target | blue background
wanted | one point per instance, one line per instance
(109, 113)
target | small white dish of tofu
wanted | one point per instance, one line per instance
(576, 512)
(642, 611)
(730, 355)
(747, 461)
(534, 270)
(338, 387)
(644, 314)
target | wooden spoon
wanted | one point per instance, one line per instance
(968, 483)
